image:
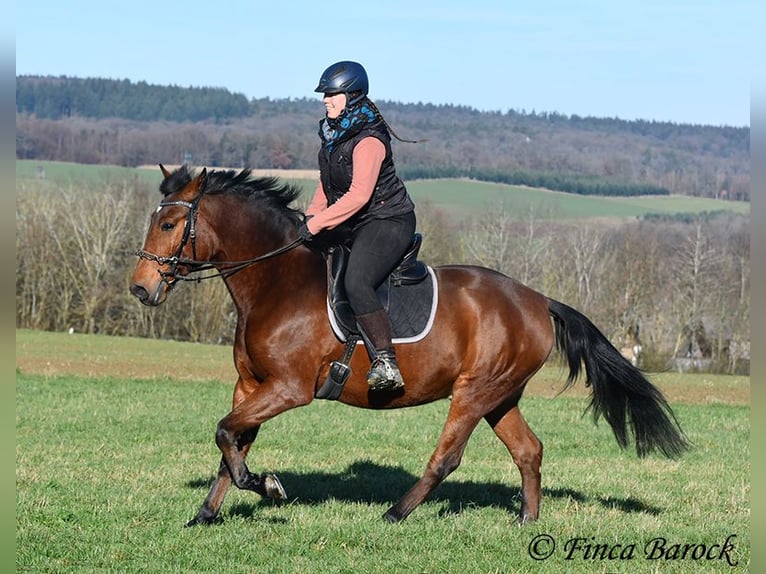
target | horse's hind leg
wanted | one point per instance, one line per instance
(461, 421)
(527, 452)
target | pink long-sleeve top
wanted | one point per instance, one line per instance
(367, 157)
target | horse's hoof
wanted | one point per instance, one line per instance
(197, 521)
(273, 487)
(392, 517)
(525, 519)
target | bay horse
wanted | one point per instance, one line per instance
(490, 335)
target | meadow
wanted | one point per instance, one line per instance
(458, 198)
(115, 452)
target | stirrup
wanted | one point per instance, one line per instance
(384, 374)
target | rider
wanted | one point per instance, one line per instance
(360, 191)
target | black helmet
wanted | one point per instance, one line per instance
(344, 78)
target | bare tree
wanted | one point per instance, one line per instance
(89, 234)
(585, 243)
(489, 241)
(441, 243)
(531, 244)
(629, 286)
(695, 262)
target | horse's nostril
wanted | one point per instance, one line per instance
(139, 292)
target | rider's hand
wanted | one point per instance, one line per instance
(304, 233)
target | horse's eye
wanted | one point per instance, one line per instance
(167, 226)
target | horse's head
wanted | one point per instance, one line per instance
(171, 245)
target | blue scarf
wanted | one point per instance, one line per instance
(349, 123)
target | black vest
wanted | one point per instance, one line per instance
(390, 195)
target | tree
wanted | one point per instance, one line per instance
(695, 282)
(531, 244)
(585, 243)
(488, 241)
(96, 232)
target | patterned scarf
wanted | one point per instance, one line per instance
(349, 123)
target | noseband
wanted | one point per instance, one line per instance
(226, 268)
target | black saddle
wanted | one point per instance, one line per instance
(399, 293)
(408, 295)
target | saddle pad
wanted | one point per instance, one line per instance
(411, 309)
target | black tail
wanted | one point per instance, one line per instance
(620, 392)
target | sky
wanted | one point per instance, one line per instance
(682, 61)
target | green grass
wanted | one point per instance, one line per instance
(472, 198)
(459, 198)
(108, 469)
(55, 354)
(74, 173)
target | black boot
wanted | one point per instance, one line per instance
(384, 374)
(384, 371)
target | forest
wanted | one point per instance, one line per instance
(117, 122)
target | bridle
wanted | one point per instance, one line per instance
(223, 268)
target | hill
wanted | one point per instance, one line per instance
(458, 199)
(97, 121)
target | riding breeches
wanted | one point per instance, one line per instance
(378, 247)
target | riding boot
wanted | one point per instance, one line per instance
(376, 332)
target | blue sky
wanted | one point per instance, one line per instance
(685, 61)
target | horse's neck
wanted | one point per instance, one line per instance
(266, 283)
(286, 278)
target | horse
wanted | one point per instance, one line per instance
(490, 335)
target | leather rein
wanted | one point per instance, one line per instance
(223, 268)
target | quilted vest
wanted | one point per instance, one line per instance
(390, 195)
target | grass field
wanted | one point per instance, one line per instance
(115, 451)
(464, 198)
(459, 198)
(75, 173)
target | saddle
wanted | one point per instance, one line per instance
(409, 296)
(407, 305)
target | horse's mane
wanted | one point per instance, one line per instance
(275, 194)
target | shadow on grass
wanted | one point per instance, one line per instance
(368, 482)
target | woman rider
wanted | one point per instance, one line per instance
(360, 191)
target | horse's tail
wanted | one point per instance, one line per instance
(619, 391)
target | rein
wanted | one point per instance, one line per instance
(223, 268)
(230, 267)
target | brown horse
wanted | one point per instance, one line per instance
(489, 337)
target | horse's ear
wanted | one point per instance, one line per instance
(165, 173)
(199, 181)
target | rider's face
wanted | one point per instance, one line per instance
(334, 104)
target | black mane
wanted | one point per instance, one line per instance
(275, 193)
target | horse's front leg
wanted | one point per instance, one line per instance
(208, 512)
(239, 427)
(266, 484)
(235, 437)
(210, 508)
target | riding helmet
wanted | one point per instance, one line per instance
(344, 78)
